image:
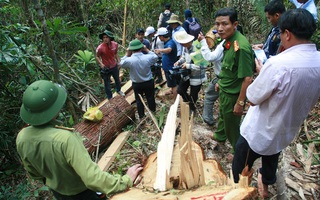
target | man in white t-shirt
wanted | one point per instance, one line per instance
(281, 97)
(156, 43)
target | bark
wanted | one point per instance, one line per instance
(117, 113)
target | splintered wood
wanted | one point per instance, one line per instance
(191, 171)
(180, 171)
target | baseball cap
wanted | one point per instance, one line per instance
(162, 31)
(139, 30)
(149, 31)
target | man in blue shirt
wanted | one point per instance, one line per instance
(273, 11)
(139, 65)
(169, 57)
(140, 36)
(309, 5)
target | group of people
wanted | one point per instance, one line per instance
(280, 97)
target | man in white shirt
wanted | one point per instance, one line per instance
(281, 97)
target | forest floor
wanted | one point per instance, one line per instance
(298, 174)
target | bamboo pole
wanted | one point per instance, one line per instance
(124, 24)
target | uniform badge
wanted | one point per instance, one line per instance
(236, 45)
(228, 44)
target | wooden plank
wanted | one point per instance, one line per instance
(108, 157)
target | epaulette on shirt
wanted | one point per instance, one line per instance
(236, 46)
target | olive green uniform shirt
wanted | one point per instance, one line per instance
(236, 64)
(60, 159)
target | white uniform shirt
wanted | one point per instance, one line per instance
(287, 87)
(213, 56)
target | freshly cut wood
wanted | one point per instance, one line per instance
(165, 146)
(117, 113)
(191, 171)
(109, 156)
(183, 168)
(213, 172)
(226, 192)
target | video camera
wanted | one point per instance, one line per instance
(178, 71)
(156, 65)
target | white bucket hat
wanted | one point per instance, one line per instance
(183, 37)
(162, 31)
(149, 31)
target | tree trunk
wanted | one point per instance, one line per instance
(48, 41)
(124, 24)
(116, 114)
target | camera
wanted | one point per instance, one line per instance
(178, 71)
(156, 65)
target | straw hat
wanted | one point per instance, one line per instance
(174, 19)
(183, 37)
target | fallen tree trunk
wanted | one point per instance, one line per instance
(117, 113)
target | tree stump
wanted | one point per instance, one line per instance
(117, 113)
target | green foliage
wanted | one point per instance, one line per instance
(58, 26)
(23, 190)
(316, 36)
(161, 116)
(85, 57)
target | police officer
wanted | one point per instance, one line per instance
(57, 156)
(234, 78)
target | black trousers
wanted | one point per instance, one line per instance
(194, 90)
(244, 155)
(85, 195)
(144, 89)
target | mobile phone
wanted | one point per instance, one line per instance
(260, 55)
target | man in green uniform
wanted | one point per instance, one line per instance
(57, 156)
(235, 76)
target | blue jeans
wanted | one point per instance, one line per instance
(114, 72)
(210, 97)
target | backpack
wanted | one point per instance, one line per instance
(194, 27)
(165, 18)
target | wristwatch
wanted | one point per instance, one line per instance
(241, 103)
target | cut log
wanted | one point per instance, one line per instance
(117, 113)
(187, 168)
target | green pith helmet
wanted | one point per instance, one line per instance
(135, 45)
(107, 33)
(41, 102)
